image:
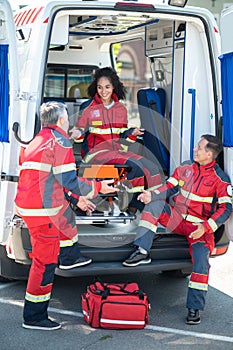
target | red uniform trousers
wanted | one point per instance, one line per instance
(161, 212)
(46, 241)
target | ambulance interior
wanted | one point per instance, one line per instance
(156, 59)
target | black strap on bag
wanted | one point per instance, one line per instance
(106, 289)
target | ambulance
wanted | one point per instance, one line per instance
(178, 73)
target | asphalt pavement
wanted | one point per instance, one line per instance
(166, 329)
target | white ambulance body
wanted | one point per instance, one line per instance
(52, 51)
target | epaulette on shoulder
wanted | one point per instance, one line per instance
(187, 162)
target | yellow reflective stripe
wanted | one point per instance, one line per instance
(36, 166)
(135, 189)
(38, 211)
(80, 140)
(153, 188)
(69, 242)
(107, 131)
(37, 298)
(196, 198)
(198, 285)
(192, 218)
(212, 224)
(173, 181)
(225, 199)
(148, 225)
(64, 168)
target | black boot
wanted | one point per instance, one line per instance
(193, 317)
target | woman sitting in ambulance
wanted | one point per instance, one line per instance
(101, 126)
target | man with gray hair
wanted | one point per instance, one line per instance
(48, 167)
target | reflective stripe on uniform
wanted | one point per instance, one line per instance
(173, 181)
(198, 285)
(212, 224)
(196, 198)
(153, 188)
(37, 298)
(148, 225)
(191, 218)
(38, 211)
(60, 169)
(135, 189)
(36, 166)
(68, 242)
(225, 199)
(107, 131)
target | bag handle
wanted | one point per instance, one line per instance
(106, 289)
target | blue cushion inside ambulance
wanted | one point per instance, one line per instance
(151, 106)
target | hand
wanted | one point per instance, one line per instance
(138, 132)
(198, 232)
(105, 188)
(145, 197)
(75, 133)
(85, 204)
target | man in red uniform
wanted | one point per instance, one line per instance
(48, 167)
(202, 203)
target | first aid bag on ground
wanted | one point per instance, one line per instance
(115, 306)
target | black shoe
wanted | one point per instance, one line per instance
(81, 261)
(137, 258)
(44, 325)
(193, 317)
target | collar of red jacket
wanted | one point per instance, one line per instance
(207, 166)
(55, 127)
(99, 101)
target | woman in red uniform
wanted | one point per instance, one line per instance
(101, 127)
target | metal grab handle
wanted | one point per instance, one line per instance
(15, 129)
(193, 116)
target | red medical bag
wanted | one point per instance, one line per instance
(115, 306)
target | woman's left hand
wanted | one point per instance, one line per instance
(138, 132)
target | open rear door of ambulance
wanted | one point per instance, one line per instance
(9, 113)
(226, 60)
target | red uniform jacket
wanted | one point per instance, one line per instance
(204, 194)
(103, 128)
(48, 167)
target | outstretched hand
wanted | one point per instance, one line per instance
(85, 204)
(105, 188)
(145, 197)
(198, 232)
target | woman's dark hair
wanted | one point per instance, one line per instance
(214, 144)
(109, 73)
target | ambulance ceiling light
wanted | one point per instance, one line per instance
(179, 3)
